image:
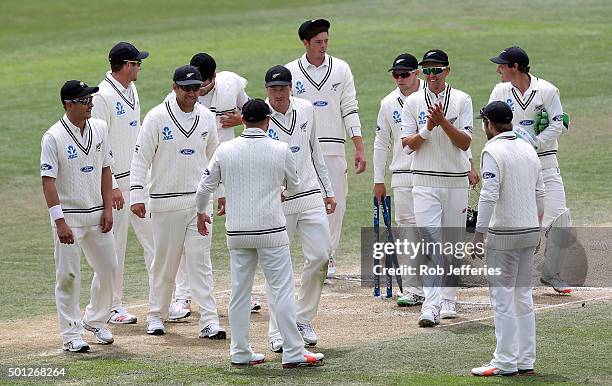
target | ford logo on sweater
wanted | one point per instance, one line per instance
(526, 122)
(320, 103)
(87, 169)
(187, 151)
(295, 149)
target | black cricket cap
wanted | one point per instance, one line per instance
(255, 110)
(497, 112)
(435, 55)
(123, 51)
(278, 76)
(205, 64)
(310, 24)
(187, 75)
(512, 55)
(75, 89)
(404, 62)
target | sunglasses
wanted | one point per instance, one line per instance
(434, 70)
(190, 87)
(398, 75)
(136, 62)
(83, 101)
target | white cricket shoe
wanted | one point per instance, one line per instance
(448, 309)
(185, 303)
(213, 331)
(176, 311)
(308, 334)
(155, 327)
(429, 317)
(76, 345)
(491, 371)
(276, 345)
(121, 316)
(103, 335)
(331, 268)
(310, 360)
(255, 360)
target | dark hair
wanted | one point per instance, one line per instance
(116, 67)
(314, 31)
(524, 68)
(501, 127)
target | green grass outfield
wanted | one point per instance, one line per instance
(44, 43)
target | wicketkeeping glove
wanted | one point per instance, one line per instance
(541, 122)
(525, 136)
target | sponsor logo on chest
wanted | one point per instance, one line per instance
(71, 151)
(299, 87)
(320, 103)
(422, 116)
(187, 152)
(397, 118)
(87, 169)
(120, 110)
(167, 134)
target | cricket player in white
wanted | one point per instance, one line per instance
(292, 121)
(510, 212)
(253, 168)
(177, 139)
(75, 166)
(404, 71)
(529, 97)
(223, 93)
(327, 82)
(438, 121)
(118, 105)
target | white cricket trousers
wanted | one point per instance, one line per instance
(276, 266)
(403, 206)
(99, 250)
(336, 167)
(512, 303)
(440, 216)
(174, 231)
(313, 229)
(554, 206)
(142, 228)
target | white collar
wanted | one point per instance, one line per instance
(306, 63)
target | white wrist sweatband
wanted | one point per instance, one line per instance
(56, 212)
(424, 133)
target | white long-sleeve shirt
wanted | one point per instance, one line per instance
(119, 107)
(253, 168)
(512, 194)
(176, 146)
(388, 137)
(331, 90)
(540, 96)
(297, 128)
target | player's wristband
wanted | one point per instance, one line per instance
(56, 213)
(424, 133)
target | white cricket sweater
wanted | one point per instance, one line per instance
(331, 90)
(177, 147)
(438, 163)
(388, 130)
(76, 163)
(512, 181)
(297, 129)
(120, 108)
(228, 95)
(540, 96)
(253, 168)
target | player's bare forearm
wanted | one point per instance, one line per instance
(50, 191)
(107, 188)
(360, 161)
(413, 141)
